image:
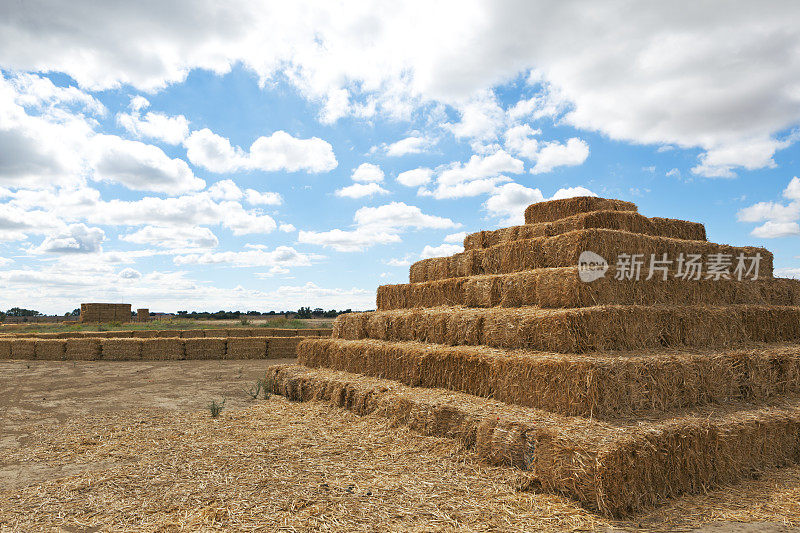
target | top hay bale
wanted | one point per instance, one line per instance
(104, 312)
(558, 209)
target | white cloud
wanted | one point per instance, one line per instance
(130, 274)
(169, 129)
(140, 166)
(282, 256)
(480, 175)
(415, 177)
(255, 197)
(554, 154)
(779, 220)
(376, 225)
(225, 190)
(287, 228)
(720, 161)
(519, 140)
(76, 239)
(456, 238)
(368, 172)
(174, 237)
(481, 118)
(279, 151)
(442, 250)
(360, 190)
(409, 145)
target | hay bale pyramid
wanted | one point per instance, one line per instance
(617, 393)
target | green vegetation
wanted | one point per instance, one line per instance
(216, 408)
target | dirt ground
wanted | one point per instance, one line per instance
(121, 446)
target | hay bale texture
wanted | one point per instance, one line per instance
(105, 312)
(616, 393)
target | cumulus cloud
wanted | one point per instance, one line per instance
(440, 251)
(255, 197)
(360, 190)
(282, 256)
(279, 151)
(409, 145)
(416, 177)
(169, 129)
(779, 220)
(479, 175)
(174, 237)
(75, 239)
(376, 225)
(367, 172)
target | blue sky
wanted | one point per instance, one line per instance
(259, 156)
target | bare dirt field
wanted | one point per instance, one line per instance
(113, 446)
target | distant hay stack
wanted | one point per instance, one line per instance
(142, 315)
(99, 312)
(616, 391)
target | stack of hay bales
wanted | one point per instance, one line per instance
(99, 312)
(143, 315)
(618, 393)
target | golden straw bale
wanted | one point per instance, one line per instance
(616, 468)
(163, 349)
(51, 349)
(86, 349)
(567, 207)
(150, 333)
(615, 220)
(215, 332)
(282, 347)
(599, 385)
(564, 251)
(205, 348)
(23, 348)
(118, 349)
(191, 333)
(5, 348)
(246, 348)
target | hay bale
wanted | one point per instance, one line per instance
(87, 349)
(166, 349)
(118, 349)
(192, 333)
(245, 332)
(616, 468)
(143, 315)
(280, 332)
(205, 348)
(145, 334)
(5, 348)
(564, 250)
(282, 347)
(165, 334)
(247, 348)
(51, 349)
(23, 348)
(215, 333)
(561, 287)
(595, 385)
(615, 220)
(567, 207)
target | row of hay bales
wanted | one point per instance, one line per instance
(97, 312)
(181, 333)
(135, 349)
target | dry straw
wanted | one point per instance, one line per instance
(205, 348)
(121, 349)
(246, 348)
(616, 468)
(558, 209)
(598, 385)
(615, 220)
(51, 349)
(564, 251)
(162, 349)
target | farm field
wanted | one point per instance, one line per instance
(111, 446)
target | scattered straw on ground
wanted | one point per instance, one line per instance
(273, 465)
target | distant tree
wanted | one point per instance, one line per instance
(17, 311)
(2, 316)
(183, 313)
(253, 313)
(318, 312)
(76, 312)
(304, 312)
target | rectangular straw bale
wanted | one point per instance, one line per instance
(313, 332)
(51, 349)
(278, 332)
(627, 221)
(163, 349)
(247, 348)
(23, 349)
(165, 334)
(121, 349)
(87, 349)
(598, 385)
(282, 347)
(564, 250)
(561, 287)
(5, 348)
(192, 333)
(205, 348)
(615, 468)
(567, 207)
(215, 333)
(598, 328)
(146, 333)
